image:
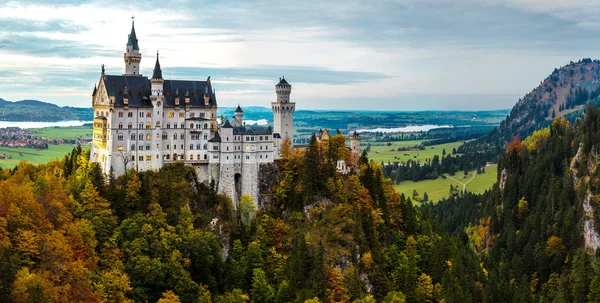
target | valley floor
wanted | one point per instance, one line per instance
(440, 188)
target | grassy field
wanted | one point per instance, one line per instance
(439, 188)
(389, 153)
(64, 132)
(52, 153)
(33, 155)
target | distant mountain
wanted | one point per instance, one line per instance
(564, 93)
(34, 110)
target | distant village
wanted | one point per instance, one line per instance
(14, 137)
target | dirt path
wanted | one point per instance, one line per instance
(463, 184)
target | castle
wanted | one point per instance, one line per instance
(144, 123)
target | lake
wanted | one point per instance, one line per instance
(33, 124)
(404, 129)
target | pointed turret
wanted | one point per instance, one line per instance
(94, 93)
(132, 39)
(132, 54)
(157, 73)
(239, 109)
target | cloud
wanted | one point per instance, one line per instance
(388, 50)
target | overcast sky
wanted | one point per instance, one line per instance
(388, 54)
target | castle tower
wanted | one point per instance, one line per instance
(157, 100)
(239, 115)
(132, 54)
(283, 111)
(355, 148)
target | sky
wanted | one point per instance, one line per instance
(365, 55)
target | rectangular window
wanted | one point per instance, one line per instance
(148, 158)
(171, 115)
(141, 115)
(120, 147)
(141, 158)
(120, 114)
(182, 115)
(149, 115)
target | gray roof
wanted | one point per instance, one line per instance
(157, 73)
(139, 91)
(216, 138)
(282, 82)
(132, 39)
(227, 124)
(239, 109)
(251, 130)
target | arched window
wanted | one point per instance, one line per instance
(132, 147)
(191, 157)
(191, 146)
(120, 137)
(167, 146)
(148, 136)
(182, 126)
(157, 123)
(129, 126)
(205, 125)
(205, 157)
(132, 137)
(120, 125)
(205, 146)
(158, 104)
(168, 156)
(174, 136)
(130, 114)
(198, 146)
(182, 136)
(141, 136)
(168, 125)
(164, 136)
(191, 125)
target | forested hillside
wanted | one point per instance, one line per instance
(32, 110)
(69, 236)
(565, 92)
(536, 232)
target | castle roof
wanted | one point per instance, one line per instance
(139, 91)
(282, 82)
(132, 39)
(239, 109)
(157, 73)
(227, 124)
(251, 130)
(216, 138)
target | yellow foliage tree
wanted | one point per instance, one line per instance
(169, 297)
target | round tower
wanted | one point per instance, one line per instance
(283, 111)
(355, 142)
(132, 55)
(283, 90)
(355, 148)
(239, 114)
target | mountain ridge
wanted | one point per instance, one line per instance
(564, 93)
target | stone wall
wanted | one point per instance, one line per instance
(269, 175)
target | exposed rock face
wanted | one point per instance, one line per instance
(591, 236)
(268, 176)
(503, 176)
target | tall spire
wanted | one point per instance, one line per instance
(132, 39)
(157, 74)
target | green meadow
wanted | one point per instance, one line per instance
(64, 132)
(37, 156)
(440, 188)
(382, 152)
